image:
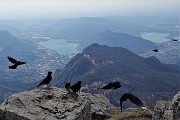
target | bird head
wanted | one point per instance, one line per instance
(79, 82)
(49, 72)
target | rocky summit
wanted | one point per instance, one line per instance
(53, 104)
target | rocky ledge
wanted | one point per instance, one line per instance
(168, 110)
(53, 104)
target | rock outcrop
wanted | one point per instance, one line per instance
(176, 105)
(168, 110)
(53, 104)
(45, 104)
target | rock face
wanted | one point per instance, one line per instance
(45, 104)
(168, 110)
(53, 104)
(176, 105)
(100, 104)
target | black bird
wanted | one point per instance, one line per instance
(15, 63)
(116, 85)
(47, 80)
(112, 85)
(76, 87)
(155, 50)
(68, 87)
(132, 98)
(174, 40)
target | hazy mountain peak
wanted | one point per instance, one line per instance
(101, 63)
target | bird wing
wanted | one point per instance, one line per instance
(12, 60)
(108, 86)
(22, 63)
(134, 99)
(116, 85)
(14, 66)
(122, 99)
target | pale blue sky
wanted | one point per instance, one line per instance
(78, 8)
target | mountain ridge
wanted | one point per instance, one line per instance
(103, 64)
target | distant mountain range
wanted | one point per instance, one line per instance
(13, 45)
(86, 27)
(132, 43)
(120, 31)
(148, 77)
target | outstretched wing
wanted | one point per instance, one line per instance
(21, 63)
(12, 60)
(134, 99)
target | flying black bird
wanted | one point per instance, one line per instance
(174, 40)
(76, 87)
(116, 85)
(155, 50)
(112, 85)
(132, 98)
(47, 80)
(15, 62)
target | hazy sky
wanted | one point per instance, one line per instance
(77, 8)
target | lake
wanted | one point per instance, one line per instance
(61, 46)
(156, 37)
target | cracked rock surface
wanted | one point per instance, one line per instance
(45, 104)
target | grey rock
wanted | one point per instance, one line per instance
(45, 104)
(100, 104)
(168, 110)
(53, 104)
(176, 105)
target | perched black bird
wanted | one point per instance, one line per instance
(76, 87)
(47, 80)
(68, 87)
(132, 98)
(112, 85)
(155, 50)
(15, 62)
(174, 40)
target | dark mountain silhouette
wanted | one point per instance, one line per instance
(100, 63)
